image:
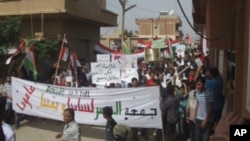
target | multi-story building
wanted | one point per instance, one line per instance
(165, 26)
(80, 20)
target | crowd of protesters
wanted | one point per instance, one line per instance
(191, 94)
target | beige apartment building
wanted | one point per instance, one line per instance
(164, 26)
(80, 20)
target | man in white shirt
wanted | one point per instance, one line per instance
(71, 131)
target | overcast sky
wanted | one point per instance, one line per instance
(149, 9)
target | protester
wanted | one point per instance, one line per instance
(107, 114)
(214, 84)
(6, 131)
(204, 111)
(170, 107)
(121, 132)
(190, 110)
(9, 113)
(134, 137)
(71, 131)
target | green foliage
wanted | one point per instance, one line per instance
(128, 33)
(9, 32)
(46, 49)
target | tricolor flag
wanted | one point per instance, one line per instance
(64, 54)
(144, 44)
(29, 63)
(76, 60)
(169, 50)
(19, 50)
(74, 63)
(125, 47)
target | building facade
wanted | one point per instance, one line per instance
(79, 20)
(225, 24)
(165, 26)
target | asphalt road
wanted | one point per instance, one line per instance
(39, 129)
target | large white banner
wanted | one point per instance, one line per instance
(104, 73)
(135, 107)
(128, 66)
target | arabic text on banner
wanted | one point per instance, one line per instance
(131, 106)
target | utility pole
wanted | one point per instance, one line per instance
(124, 9)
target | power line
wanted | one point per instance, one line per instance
(229, 26)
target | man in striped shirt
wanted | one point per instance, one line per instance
(204, 110)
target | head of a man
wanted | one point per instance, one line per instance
(134, 82)
(107, 112)
(68, 115)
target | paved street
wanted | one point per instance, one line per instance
(37, 129)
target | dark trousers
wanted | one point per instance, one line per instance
(171, 131)
(9, 113)
(202, 134)
(192, 131)
(183, 130)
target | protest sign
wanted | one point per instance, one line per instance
(128, 66)
(104, 73)
(103, 58)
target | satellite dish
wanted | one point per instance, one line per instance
(171, 12)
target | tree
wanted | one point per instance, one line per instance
(9, 32)
(46, 53)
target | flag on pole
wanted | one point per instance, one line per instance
(64, 51)
(188, 40)
(125, 47)
(74, 63)
(19, 50)
(29, 62)
(76, 60)
(169, 50)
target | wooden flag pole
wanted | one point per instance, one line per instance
(58, 61)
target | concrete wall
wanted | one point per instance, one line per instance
(242, 62)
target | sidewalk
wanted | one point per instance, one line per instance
(39, 129)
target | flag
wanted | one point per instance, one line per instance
(73, 65)
(29, 62)
(19, 50)
(76, 60)
(175, 42)
(188, 40)
(159, 43)
(125, 48)
(169, 50)
(64, 54)
(144, 43)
